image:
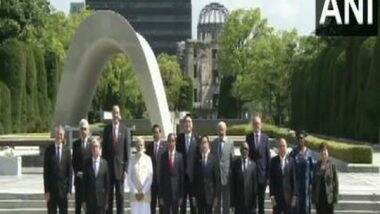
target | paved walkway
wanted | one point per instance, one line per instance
(350, 183)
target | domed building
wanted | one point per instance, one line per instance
(211, 21)
(199, 59)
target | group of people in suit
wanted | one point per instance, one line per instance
(99, 166)
(187, 171)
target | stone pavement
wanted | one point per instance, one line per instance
(350, 183)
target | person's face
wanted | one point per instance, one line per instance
(116, 113)
(59, 136)
(84, 131)
(282, 147)
(244, 149)
(205, 145)
(256, 124)
(221, 129)
(188, 125)
(140, 146)
(156, 133)
(301, 141)
(171, 143)
(324, 155)
(95, 150)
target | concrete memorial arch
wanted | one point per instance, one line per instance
(97, 39)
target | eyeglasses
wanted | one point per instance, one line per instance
(83, 128)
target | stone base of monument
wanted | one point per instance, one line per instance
(10, 165)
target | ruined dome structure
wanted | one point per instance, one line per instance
(211, 20)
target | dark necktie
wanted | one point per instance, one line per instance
(171, 163)
(59, 154)
(257, 140)
(114, 140)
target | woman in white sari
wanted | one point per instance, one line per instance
(140, 175)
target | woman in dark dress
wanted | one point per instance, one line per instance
(325, 183)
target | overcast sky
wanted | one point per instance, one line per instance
(281, 14)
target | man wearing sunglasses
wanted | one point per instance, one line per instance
(81, 152)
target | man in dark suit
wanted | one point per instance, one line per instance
(282, 180)
(81, 152)
(244, 183)
(57, 173)
(96, 180)
(171, 178)
(260, 153)
(155, 150)
(206, 179)
(187, 145)
(115, 151)
(223, 149)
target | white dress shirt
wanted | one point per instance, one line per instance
(244, 164)
(204, 157)
(58, 151)
(115, 129)
(187, 141)
(95, 165)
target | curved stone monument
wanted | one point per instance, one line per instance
(97, 39)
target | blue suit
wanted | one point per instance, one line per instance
(304, 166)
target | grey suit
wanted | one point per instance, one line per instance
(224, 155)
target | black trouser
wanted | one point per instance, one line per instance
(79, 195)
(154, 199)
(261, 197)
(204, 208)
(188, 192)
(95, 210)
(118, 186)
(244, 210)
(170, 208)
(324, 208)
(223, 202)
(282, 209)
(57, 202)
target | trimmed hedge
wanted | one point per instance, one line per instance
(340, 150)
(32, 115)
(5, 109)
(13, 70)
(44, 105)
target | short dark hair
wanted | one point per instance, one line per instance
(301, 133)
(207, 138)
(187, 116)
(323, 146)
(156, 126)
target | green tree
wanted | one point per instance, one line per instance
(118, 85)
(22, 19)
(241, 30)
(172, 79)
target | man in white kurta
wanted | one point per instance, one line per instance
(140, 175)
